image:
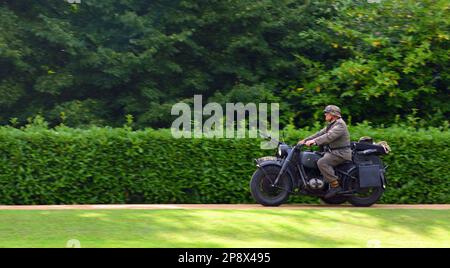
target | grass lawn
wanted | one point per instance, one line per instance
(227, 228)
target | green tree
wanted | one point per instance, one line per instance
(394, 62)
(100, 60)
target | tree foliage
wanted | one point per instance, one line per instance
(395, 61)
(94, 62)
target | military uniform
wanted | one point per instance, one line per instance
(336, 140)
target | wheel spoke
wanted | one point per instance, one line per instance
(268, 190)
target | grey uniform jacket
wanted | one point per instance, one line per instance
(334, 135)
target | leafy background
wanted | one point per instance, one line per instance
(95, 62)
(92, 67)
(106, 165)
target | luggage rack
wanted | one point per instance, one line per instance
(364, 148)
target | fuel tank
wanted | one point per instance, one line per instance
(309, 159)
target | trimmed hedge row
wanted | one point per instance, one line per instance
(104, 165)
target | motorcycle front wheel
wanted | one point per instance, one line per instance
(262, 190)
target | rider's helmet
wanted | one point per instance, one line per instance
(333, 109)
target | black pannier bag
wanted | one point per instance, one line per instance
(369, 176)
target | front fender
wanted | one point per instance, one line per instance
(261, 160)
(274, 161)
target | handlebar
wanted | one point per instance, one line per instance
(298, 146)
(269, 138)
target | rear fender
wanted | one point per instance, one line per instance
(383, 176)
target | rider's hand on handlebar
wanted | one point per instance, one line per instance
(301, 142)
(310, 143)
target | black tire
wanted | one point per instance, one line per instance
(365, 197)
(264, 193)
(337, 200)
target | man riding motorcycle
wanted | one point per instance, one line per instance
(335, 139)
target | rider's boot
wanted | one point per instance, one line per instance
(334, 189)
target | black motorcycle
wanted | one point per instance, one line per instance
(294, 171)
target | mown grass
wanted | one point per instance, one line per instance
(227, 228)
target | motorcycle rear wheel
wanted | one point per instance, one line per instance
(262, 190)
(364, 197)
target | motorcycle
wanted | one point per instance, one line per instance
(294, 170)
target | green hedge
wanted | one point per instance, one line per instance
(104, 165)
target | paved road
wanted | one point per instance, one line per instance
(215, 206)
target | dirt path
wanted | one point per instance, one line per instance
(215, 206)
